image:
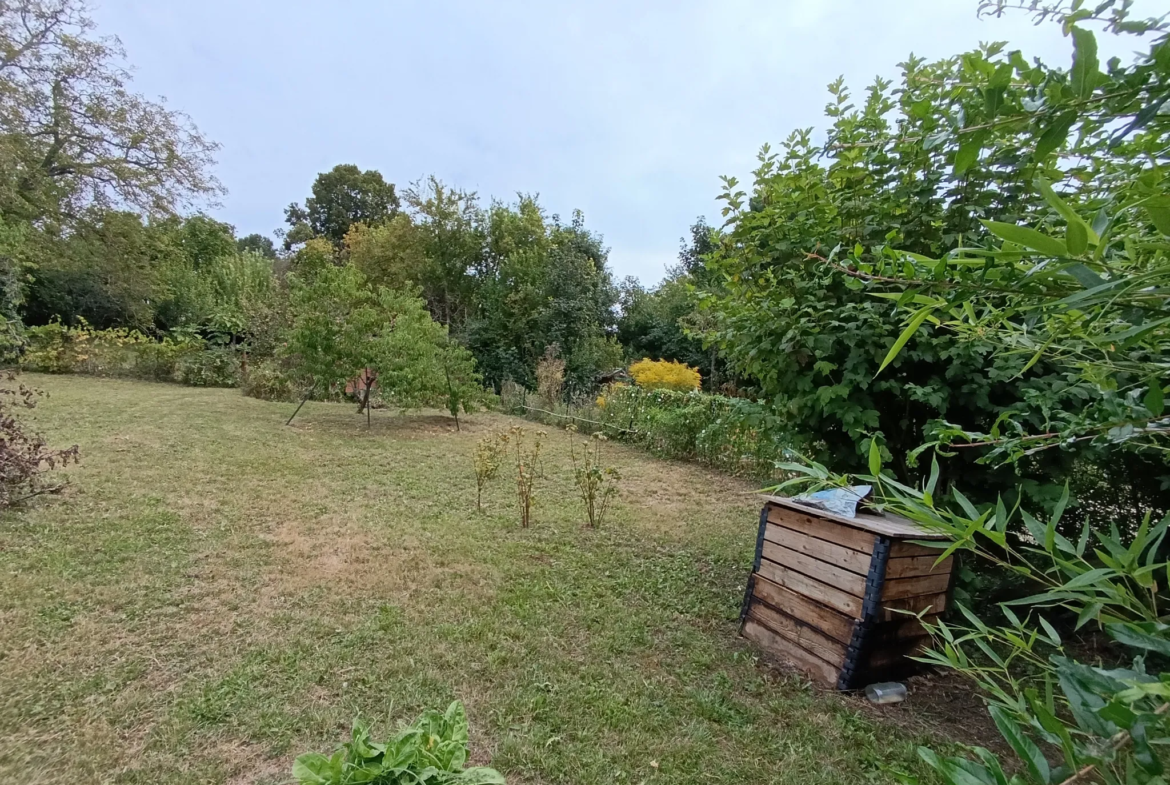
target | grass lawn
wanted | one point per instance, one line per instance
(216, 593)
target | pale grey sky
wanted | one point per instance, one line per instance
(627, 110)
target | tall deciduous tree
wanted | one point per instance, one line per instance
(342, 197)
(258, 244)
(73, 133)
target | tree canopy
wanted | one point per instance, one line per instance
(342, 197)
(74, 134)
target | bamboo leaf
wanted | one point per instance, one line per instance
(915, 322)
(1027, 237)
(1086, 67)
(1029, 753)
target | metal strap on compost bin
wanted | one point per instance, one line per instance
(751, 584)
(870, 608)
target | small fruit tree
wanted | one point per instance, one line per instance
(342, 325)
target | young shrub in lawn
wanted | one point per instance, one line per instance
(596, 483)
(24, 457)
(527, 470)
(433, 750)
(665, 375)
(489, 454)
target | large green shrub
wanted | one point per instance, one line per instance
(735, 435)
(899, 172)
(56, 348)
(216, 366)
(268, 381)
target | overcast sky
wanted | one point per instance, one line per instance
(626, 109)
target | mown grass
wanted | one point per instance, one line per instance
(216, 592)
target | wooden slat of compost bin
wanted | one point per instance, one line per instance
(912, 587)
(829, 621)
(823, 593)
(814, 666)
(892, 609)
(887, 525)
(903, 548)
(848, 536)
(822, 550)
(849, 582)
(911, 566)
(808, 638)
(891, 653)
(901, 629)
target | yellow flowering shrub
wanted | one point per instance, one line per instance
(665, 375)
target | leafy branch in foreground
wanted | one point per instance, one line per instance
(431, 751)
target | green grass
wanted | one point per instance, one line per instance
(216, 592)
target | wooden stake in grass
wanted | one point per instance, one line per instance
(302, 403)
(527, 472)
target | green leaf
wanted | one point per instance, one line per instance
(312, 768)
(1151, 639)
(1088, 613)
(1143, 752)
(1085, 68)
(1058, 510)
(1076, 237)
(1089, 577)
(932, 483)
(1024, 747)
(1053, 636)
(1154, 400)
(968, 152)
(1054, 135)
(915, 322)
(1027, 237)
(875, 457)
(1066, 211)
(1084, 540)
(1160, 218)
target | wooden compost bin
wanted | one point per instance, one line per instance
(825, 593)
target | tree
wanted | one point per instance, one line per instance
(536, 289)
(342, 197)
(72, 134)
(258, 244)
(450, 235)
(902, 170)
(391, 254)
(107, 269)
(341, 325)
(664, 323)
(202, 239)
(12, 244)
